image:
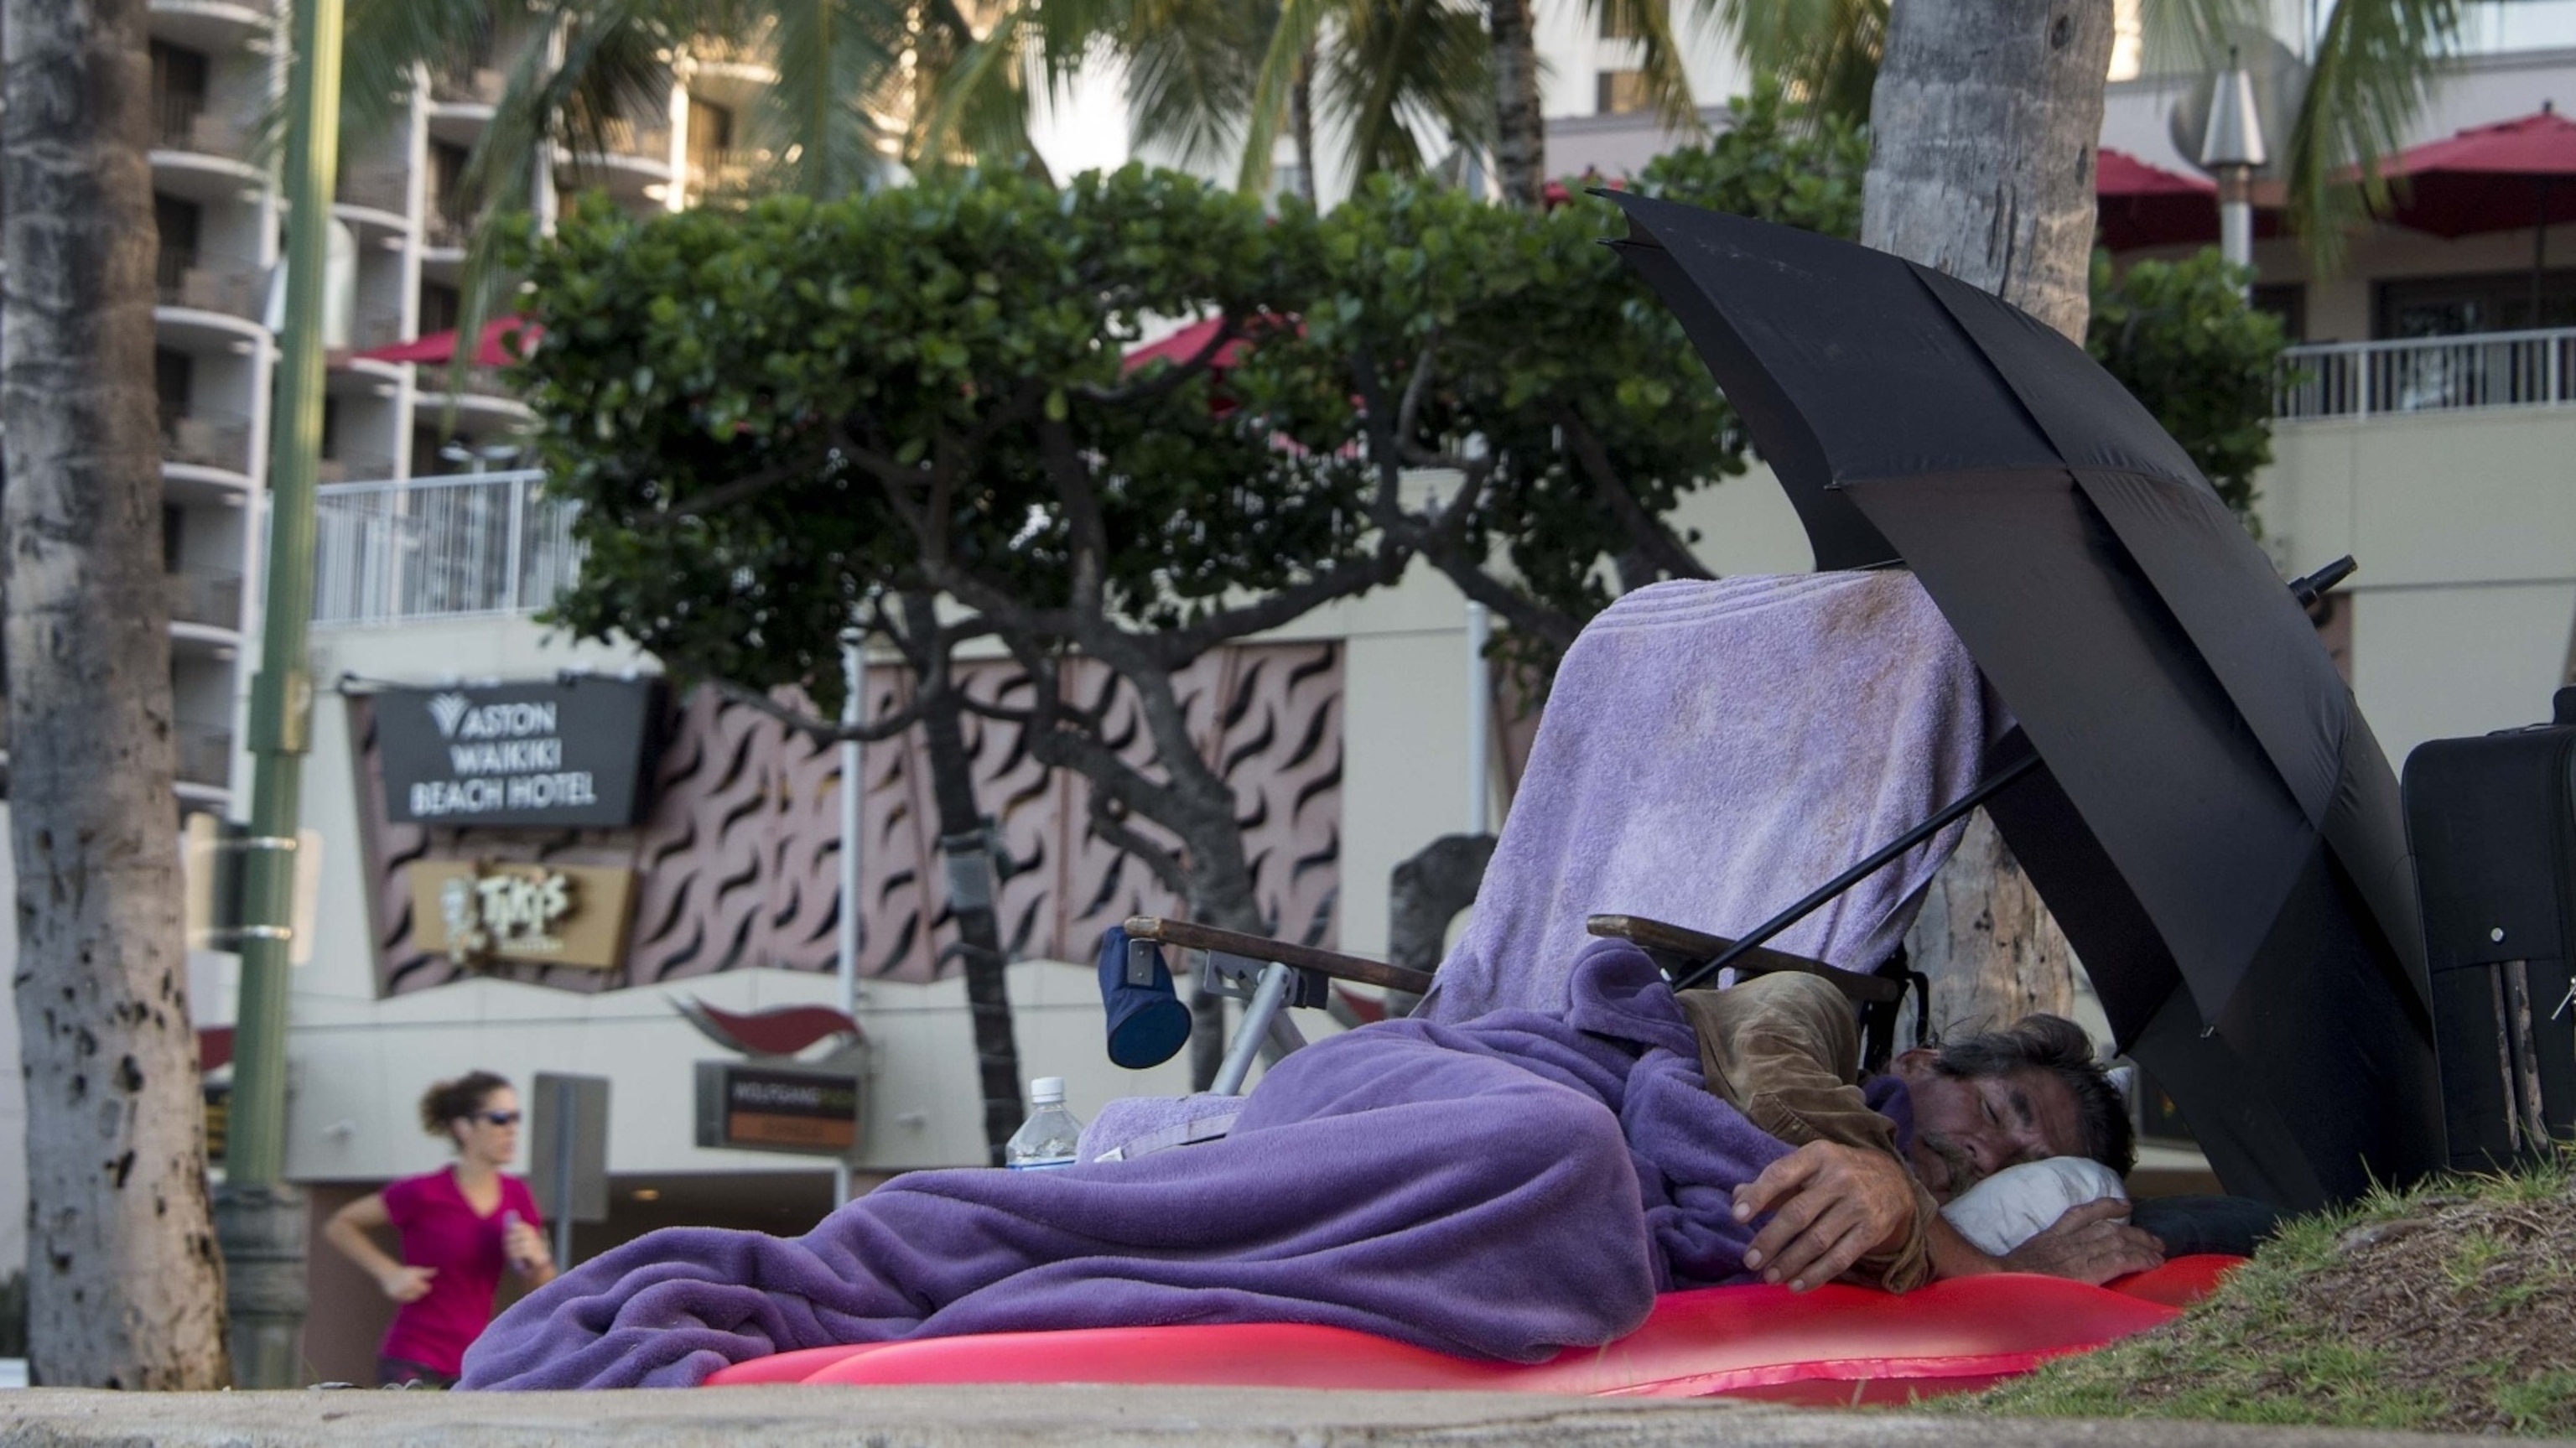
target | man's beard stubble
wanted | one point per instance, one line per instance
(1961, 1165)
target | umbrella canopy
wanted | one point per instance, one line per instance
(492, 349)
(2503, 177)
(2143, 205)
(2213, 824)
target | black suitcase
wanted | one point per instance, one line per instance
(2492, 823)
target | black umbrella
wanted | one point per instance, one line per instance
(2212, 821)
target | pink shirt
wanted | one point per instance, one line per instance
(439, 1230)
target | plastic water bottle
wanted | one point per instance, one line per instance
(1048, 1137)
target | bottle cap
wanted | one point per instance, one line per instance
(1047, 1091)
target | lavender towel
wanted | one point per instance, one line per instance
(1501, 1189)
(1710, 753)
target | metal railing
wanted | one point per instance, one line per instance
(485, 543)
(467, 83)
(648, 140)
(207, 289)
(2426, 374)
(205, 596)
(375, 189)
(205, 755)
(181, 122)
(208, 440)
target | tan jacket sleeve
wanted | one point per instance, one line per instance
(1784, 1049)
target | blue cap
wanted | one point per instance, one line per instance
(1148, 1025)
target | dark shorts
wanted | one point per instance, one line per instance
(394, 1372)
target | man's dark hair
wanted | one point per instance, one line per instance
(2060, 1047)
(451, 1101)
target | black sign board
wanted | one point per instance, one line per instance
(770, 1108)
(545, 755)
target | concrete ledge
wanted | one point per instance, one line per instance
(1070, 1417)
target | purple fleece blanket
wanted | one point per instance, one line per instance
(1502, 1188)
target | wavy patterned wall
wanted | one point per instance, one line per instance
(739, 862)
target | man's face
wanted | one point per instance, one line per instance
(1967, 1129)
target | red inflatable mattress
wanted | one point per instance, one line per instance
(1837, 1344)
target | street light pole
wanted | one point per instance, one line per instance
(2231, 149)
(259, 1218)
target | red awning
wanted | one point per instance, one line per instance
(1185, 344)
(493, 351)
(2143, 205)
(2503, 177)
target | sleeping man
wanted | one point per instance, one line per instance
(1504, 1187)
(1999, 1152)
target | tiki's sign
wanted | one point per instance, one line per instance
(476, 913)
(545, 755)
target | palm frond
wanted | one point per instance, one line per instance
(1192, 66)
(831, 58)
(1398, 68)
(1824, 53)
(1291, 38)
(2365, 92)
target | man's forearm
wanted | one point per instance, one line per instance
(1954, 1255)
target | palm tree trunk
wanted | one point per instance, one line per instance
(1520, 129)
(961, 830)
(1982, 133)
(1301, 121)
(124, 1286)
(1983, 128)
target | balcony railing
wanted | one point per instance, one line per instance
(627, 136)
(467, 84)
(208, 440)
(205, 755)
(490, 543)
(181, 122)
(2427, 374)
(235, 294)
(376, 190)
(206, 596)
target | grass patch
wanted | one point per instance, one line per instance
(2449, 1307)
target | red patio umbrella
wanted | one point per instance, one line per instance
(2501, 177)
(2143, 205)
(492, 350)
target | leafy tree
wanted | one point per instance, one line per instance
(766, 417)
(1514, 349)
(2179, 335)
(123, 1286)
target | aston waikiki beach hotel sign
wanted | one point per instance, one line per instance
(565, 754)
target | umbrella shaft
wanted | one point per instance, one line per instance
(1948, 814)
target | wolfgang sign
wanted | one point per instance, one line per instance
(536, 755)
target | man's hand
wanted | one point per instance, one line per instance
(2092, 1243)
(1831, 1205)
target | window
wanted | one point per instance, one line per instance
(450, 213)
(178, 93)
(2287, 301)
(173, 380)
(1619, 21)
(710, 138)
(174, 528)
(176, 220)
(440, 306)
(2457, 306)
(1621, 91)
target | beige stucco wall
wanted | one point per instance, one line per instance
(2465, 528)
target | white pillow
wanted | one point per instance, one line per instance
(2020, 1202)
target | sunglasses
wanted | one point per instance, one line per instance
(497, 1118)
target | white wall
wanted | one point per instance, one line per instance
(2465, 528)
